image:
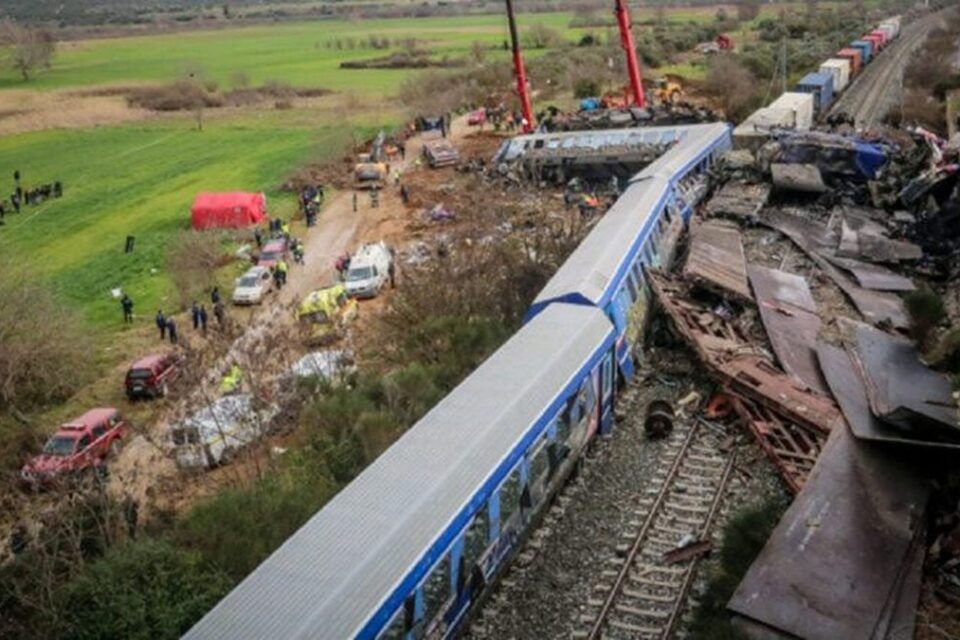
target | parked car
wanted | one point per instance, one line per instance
(273, 251)
(440, 153)
(324, 314)
(369, 270)
(152, 375)
(78, 445)
(477, 117)
(253, 286)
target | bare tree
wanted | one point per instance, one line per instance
(731, 85)
(27, 49)
(748, 10)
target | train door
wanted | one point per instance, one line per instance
(607, 390)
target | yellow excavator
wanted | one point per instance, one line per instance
(668, 91)
(372, 169)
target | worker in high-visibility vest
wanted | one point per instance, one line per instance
(231, 382)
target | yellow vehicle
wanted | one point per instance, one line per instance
(668, 91)
(324, 313)
(368, 174)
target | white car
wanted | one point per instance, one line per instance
(252, 286)
(369, 270)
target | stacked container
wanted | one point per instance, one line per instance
(839, 68)
(855, 56)
(866, 50)
(820, 86)
(800, 104)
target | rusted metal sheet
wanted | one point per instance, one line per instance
(793, 448)
(816, 241)
(739, 199)
(837, 557)
(851, 394)
(873, 276)
(739, 364)
(789, 315)
(716, 259)
(865, 238)
(901, 389)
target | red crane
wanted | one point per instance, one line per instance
(520, 73)
(626, 41)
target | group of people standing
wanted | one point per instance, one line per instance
(21, 196)
(198, 313)
(311, 198)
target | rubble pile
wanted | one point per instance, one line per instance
(552, 119)
(859, 426)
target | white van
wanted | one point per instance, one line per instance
(369, 270)
(212, 435)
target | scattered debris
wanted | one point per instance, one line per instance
(688, 551)
(739, 200)
(659, 420)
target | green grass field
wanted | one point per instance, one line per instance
(139, 180)
(294, 53)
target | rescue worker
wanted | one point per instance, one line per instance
(403, 150)
(215, 296)
(161, 324)
(282, 269)
(172, 330)
(232, 381)
(218, 311)
(127, 305)
(203, 319)
(258, 237)
(392, 272)
(298, 252)
(285, 230)
(405, 194)
(277, 277)
(195, 315)
(354, 201)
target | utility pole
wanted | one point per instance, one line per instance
(520, 72)
(626, 41)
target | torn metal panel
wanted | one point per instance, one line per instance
(901, 389)
(805, 178)
(740, 365)
(851, 394)
(816, 240)
(900, 614)
(863, 237)
(873, 276)
(836, 557)
(790, 317)
(739, 199)
(716, 259)
(792, 447)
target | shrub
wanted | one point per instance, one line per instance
(146, 589)
(586, 88)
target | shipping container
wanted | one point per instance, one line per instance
(840, 68)
(820, 86)
(895, 23)
(883, 35)
(801, 104)
(866, 50)
(876, 41)
(855, 56)
(755, 130)
(890, 30)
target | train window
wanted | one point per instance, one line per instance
(397, 629)
(607, 375)
(586, 399)
(436, 590)
(563, 426)
(510, 497)
(638, 271)
(477, 537)
(662, 224)
(539, 469)
(633, 288)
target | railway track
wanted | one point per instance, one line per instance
(648, 589)
(877, 89)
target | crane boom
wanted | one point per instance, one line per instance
(520, 72)
(626, 41)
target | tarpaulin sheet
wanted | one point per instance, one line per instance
(228, 210)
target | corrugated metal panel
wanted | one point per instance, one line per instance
(329, 577)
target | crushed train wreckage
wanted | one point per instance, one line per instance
(845, 408)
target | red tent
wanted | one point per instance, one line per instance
(222, 210)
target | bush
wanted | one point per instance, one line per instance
(731, 85)
(146, 589)
(926, 310)
(586, 88)
(540, 36)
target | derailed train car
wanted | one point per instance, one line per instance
(408, 548)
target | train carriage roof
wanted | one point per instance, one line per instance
(333, 574)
